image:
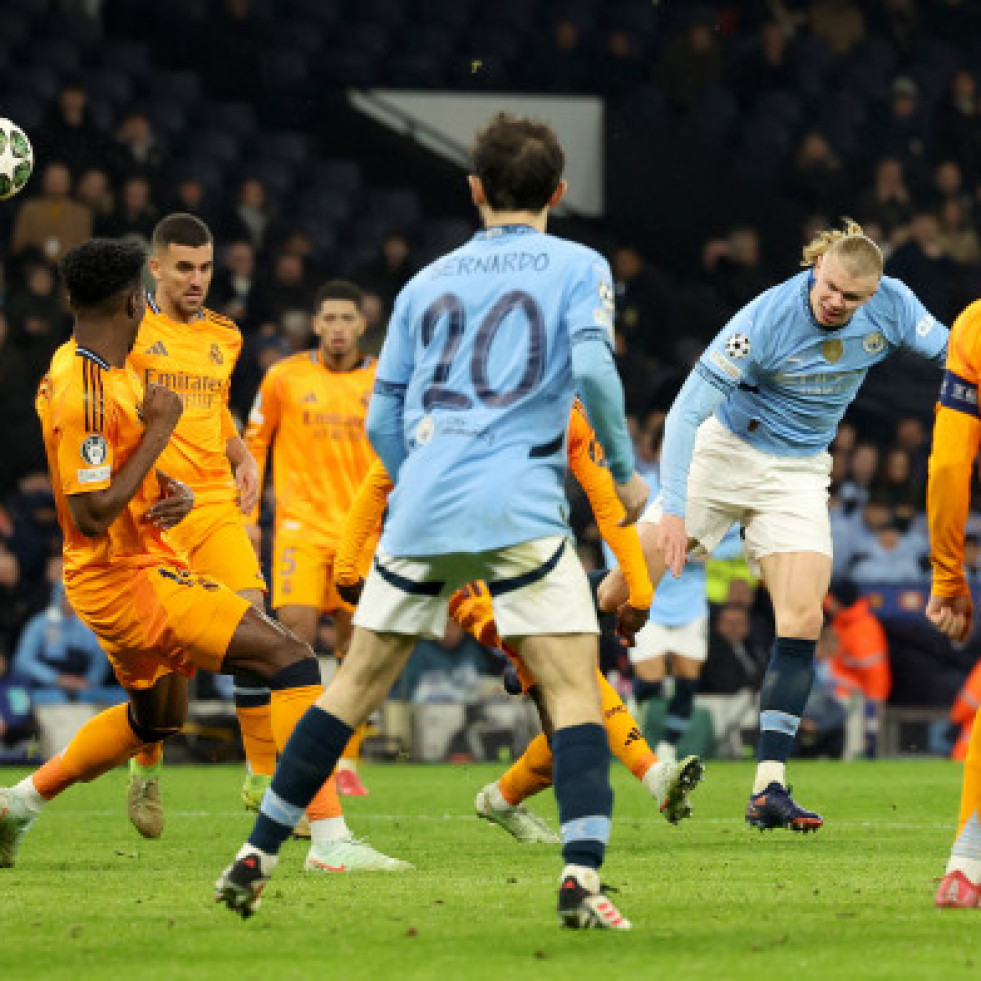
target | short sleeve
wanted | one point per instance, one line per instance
(85, 453)
(590, 307)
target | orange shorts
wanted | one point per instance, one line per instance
(158, 620)
(214, 539)
(303, 573)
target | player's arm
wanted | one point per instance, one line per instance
(585, 461)
(244, 468)
(94, 511)
(363, 518)
(921, 332)
(956, 437)
(598, 485)
(387, 406)
(259, 431)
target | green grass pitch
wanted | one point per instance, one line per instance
(710, 899)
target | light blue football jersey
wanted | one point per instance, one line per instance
(480, 343)
(789, 381)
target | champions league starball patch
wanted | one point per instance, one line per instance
(738, 346)
(95, 450)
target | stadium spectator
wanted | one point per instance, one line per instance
(839, 23)
(252, 218)
(17, 411)
(645, 316)
(621, 69)
(68, 133)
(94, 190)
(60, 659)
(958, 123)
(237, 290)
(18, 724)
(861, 662)
(390, 270)
(888, 202)
(290, 286)
(922, 263)
(901, 128)
(569, 65)
(52, 223)
(36, 317)
(768, 67)
(733, 663)
(134, 215)
(135, 152)
(692, 61)
(818, 180)
(894, 483)
(191, 196)
(886, 549)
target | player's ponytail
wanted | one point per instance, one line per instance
(850, 244)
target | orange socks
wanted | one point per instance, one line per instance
(352, 751)
(971, 785)
(149, 756)
(103, 742)
(257, 738)
(626, 741)
(287, 705)
(531, 773)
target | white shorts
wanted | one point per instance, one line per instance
(657, 639)
(780, 501)
(537, 587)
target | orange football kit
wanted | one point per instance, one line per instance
(151, 612)
(196, 361)
(956, 438)
(315, 420)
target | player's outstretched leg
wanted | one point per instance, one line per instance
(582, 903)
(104, 741)
(501, 802)
(350, 854)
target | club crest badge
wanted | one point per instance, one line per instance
(873, 343)
(95, 450)
(832, 350)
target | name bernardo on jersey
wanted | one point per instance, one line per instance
(494, 262)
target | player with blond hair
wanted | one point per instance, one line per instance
(956, 440)
(746, 442)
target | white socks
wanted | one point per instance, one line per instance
(767, 772)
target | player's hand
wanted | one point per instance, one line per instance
(255, 537)
(161, 409)
(633, 496)
(247, 482)
(175, 502)
(351, 592)
(671, 539)
(953, 616)
(629, 621)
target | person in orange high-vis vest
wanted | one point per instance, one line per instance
(502, 801)
(861, 663)
(964, 710)
(956, 439)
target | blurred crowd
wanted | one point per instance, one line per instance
(831, 106)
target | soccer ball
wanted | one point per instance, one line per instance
(16, 159)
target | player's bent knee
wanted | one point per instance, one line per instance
(304, 670)
(805, 623)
